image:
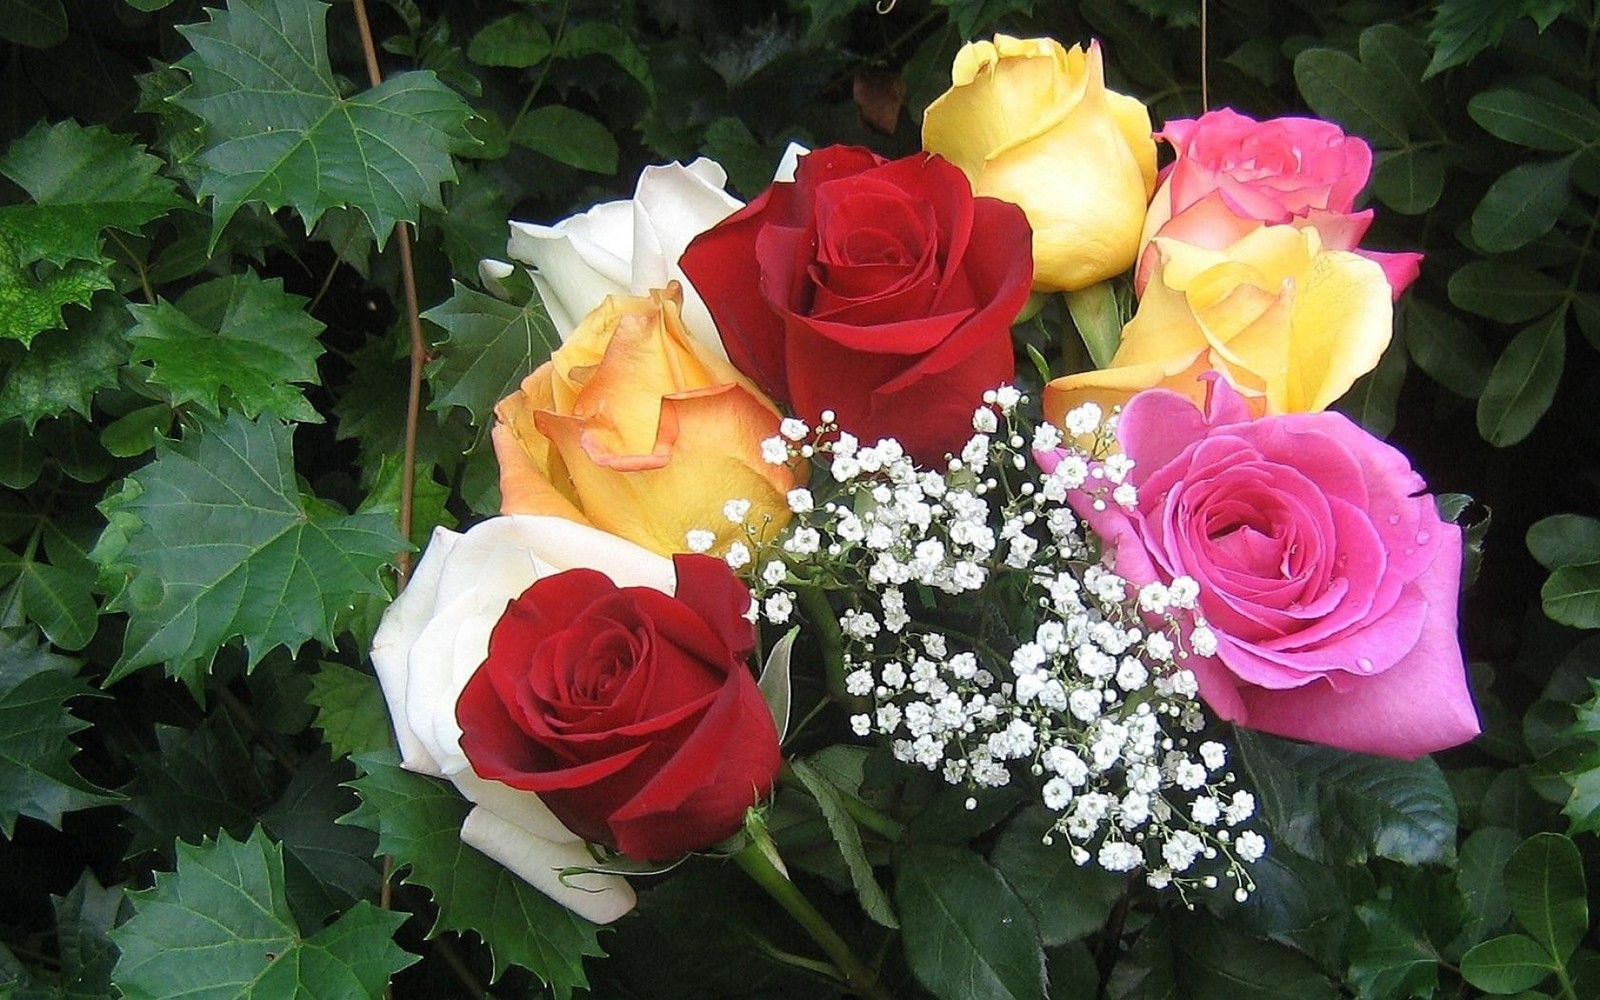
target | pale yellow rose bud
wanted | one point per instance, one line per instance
(1288, 322)
(1032, 123)
(638, 429)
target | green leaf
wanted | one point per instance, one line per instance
(428, 498)
(1506, 964)
(1409, 180)
(36, 776)
(1339, 807)
(38, 24)
(32, 295)
(1392, 957)
(1296, 902)
(234, 343)
(350, 710)
(492, 346)
(1372, 399)
(195, 783)
(83, 181)
(278, 130)
(1479, 876)
(328, 866)
(230, 548)
(1396, 60)
(1463, 28)
(1545, 886)
(1523, 382)
(1337, 86)
(610, 40)
(418, 821)
(1069, 901)
(966, 933)
(517, 40)
(1522, 205)
(84, 917)
(1444, 346)
(972, 17)
(137, 432)
(60, 602)
(568, 136)
(1538, 114)
(1098, 320)
(1571, 595)
(62, 370)
(847, 837)
(1213, 961)
(220, 925)
(1506, 292)
(1564, 540)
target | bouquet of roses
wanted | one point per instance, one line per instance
(999, 475)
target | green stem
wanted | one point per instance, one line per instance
(825, 624)
(760, 861)
(544, 71)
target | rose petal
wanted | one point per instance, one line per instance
(596, 897)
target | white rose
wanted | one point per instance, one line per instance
(435, 635)
(627, 247)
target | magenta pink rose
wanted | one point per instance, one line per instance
(1234, 175)
(1325, 571)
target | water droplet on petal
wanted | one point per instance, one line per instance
(1394, 518)
(1422, 537)
(1364, 664)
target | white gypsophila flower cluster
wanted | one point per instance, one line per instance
(985, 642)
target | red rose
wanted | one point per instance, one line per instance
(631, 713)
(882, 290)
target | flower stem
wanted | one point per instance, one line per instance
(825, 625)
(761, 862)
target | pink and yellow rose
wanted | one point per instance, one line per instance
(1234, 175)
(1289, 322)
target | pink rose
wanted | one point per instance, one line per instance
(1325, 572)
(1234, 175)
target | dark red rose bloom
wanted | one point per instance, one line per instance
(632, 714)
(882, 290)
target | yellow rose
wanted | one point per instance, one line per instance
(1032, 123)
(637, 429)
(1288, 322)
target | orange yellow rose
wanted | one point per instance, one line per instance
(1032, 123)
(1288, 322)
(637, 429)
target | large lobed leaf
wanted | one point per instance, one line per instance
(36, 774)
(278, 130)
(235, 342)
(229, 547)
(219, 927)
(418, 822)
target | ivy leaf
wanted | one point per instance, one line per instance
(37, 778)
(236, 342)
(32, 295)
(418, 821)
(220, 925)
(84, 917)
(350, 710)
(967, 934)
(1339, 807)
(328, 866)
(82, 181)
(37, 24)
(229, 547)
(278, 130)
(195, 783)
(492, 346)
(63, 369)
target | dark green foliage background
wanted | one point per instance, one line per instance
(186, 714)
